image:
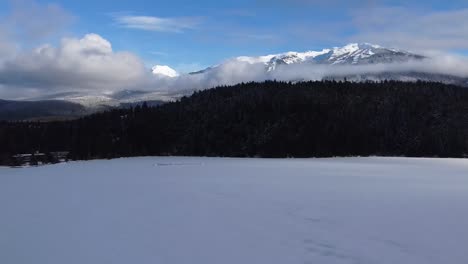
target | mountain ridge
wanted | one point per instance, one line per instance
(350, 54)
(356, 62)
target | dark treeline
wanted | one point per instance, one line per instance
(270, 119)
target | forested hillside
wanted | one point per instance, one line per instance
(270, 119)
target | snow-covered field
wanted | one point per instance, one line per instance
(236, 211)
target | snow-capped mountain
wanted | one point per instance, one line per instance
(165, 71)
(351, 54)
(354, 62)
(359, 59)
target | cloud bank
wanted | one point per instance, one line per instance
(233, 72)
(152, 23)
(418, 29)
(28, 22)
(412, 25)
(88, 65)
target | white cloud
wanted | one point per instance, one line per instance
(321, 3)
(243, 36)
(159, 53)
(404, 24)
(90, 66)
(233, 72)
(403, 27)
(152, 23)
(7, 46)
(29, 22)
(86, 64)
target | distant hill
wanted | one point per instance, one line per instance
(37, 110)
(269, 119)
(52, 110)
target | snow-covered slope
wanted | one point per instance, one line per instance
(232, 211)
(355, 62)
(351, 54)
(163, 70)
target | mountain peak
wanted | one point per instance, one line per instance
(165, 71)
(354, 48)
(350, 54)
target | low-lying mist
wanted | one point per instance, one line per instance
(233, 72)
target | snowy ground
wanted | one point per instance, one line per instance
(236, 211)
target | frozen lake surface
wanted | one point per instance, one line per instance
(236, 211)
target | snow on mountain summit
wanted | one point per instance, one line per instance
(166, 71)
(283, 58)
(354, 62)
(350, 54)
(366, 53)
(353, 53)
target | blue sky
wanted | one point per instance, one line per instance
(100, 47)
(196, 34)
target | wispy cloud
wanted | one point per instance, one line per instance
(159, 53)
(27, 23)
(404, 24)
(248, 36)
(320, 3)
(410, 28)
(240, 13)
(234, 71)
(7, 45)
(159, 24)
